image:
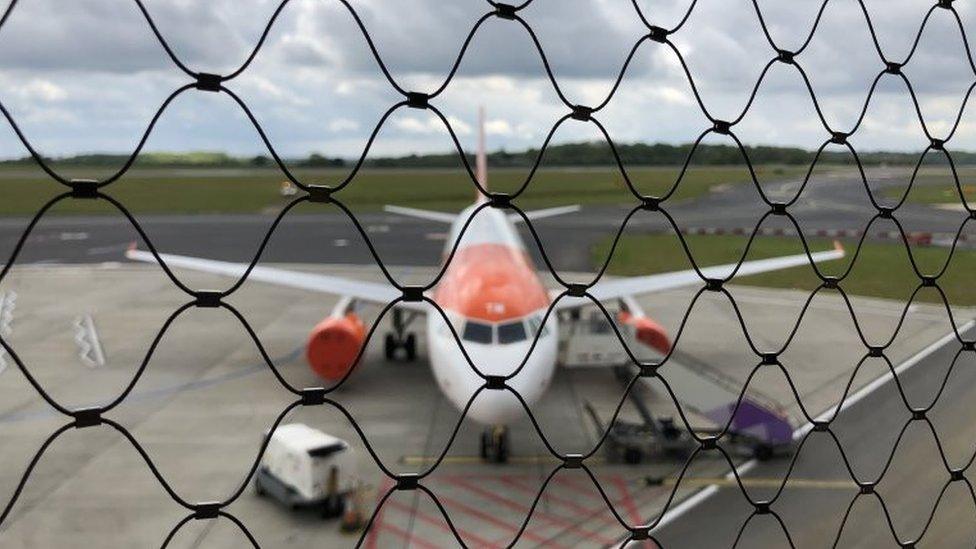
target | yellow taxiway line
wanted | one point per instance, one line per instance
(473, 460)
(687, 482)
(809, 483)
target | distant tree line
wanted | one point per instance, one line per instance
(661, 154)
(569, 154)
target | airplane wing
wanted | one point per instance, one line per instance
(631, 286)
(373, 292)
(699, 386)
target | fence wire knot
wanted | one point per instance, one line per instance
(91, 189)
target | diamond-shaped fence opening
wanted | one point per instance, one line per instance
(632, 527)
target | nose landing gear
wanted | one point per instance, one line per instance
(392, 344)
(494, 444)
(399, 339)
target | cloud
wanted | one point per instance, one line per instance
(415, 125)
(498, 127)
(39, 90)
(341, 125)
(84, 76)
(431, 125)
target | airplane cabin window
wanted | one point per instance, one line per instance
(477, 332)
(511, 332)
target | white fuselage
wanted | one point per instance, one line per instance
(488, 289)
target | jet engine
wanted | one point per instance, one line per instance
(648, 331)
(334, 345)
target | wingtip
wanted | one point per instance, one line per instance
(839, 247)
(132, 247)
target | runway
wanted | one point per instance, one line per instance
(868, 431)
(830, 202)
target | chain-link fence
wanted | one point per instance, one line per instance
(656, 36)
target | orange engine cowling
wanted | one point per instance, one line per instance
(649, 333)
(334, 345)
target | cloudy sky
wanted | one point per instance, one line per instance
(87, 75)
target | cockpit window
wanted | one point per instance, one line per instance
(534, 323)
(477, 332)
(511, 332)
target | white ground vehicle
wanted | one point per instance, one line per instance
(304, 467)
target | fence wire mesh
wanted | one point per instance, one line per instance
(76, 189)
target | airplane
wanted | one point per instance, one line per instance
(494, 299)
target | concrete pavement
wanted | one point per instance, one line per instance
(207, 397)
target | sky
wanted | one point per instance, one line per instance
(88, 75)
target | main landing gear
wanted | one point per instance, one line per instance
(399, 339)
(494, 444)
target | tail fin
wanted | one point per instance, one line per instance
(481, 162)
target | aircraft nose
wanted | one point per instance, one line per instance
(496, 408)
(459, 381)
(501, 406)
(498, 360)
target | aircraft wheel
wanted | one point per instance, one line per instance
(494, 444)
(501, 450)
(332, 507)
(633, 456)
(389, 347)
(410, 346)
(485, 443)
(762, 452)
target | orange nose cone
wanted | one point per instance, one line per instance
(334, 345)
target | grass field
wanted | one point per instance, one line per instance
(881, 270)
(938, 188)
(212, 190)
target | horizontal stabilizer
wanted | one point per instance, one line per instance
(429, 215)
(547, 212)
